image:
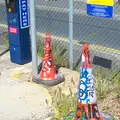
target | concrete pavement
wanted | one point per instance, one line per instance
(20, 100)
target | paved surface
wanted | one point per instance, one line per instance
(20, 100)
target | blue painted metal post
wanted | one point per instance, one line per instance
(33, 38)
(70, 34)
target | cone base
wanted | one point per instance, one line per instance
(60, 78)
(106, 116)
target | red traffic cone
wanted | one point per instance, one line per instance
(87, 108)
(48, 74)
(48, 71)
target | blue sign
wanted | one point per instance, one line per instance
(24, 17)
(100, 10)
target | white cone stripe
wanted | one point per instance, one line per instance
(87, 92)
(83, 58)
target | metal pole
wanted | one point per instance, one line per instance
(71, 34)
(33, 38)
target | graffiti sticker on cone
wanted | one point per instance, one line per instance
(100, 8)
(87, 93)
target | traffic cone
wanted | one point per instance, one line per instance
(87, 108)
(48, 75)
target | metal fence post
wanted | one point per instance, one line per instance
(70, 49)
(33, 38)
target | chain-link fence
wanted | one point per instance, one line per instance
(3, 29)
(102, 34)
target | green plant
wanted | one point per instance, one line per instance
(40, 48)
(6, 41)
(63, 104)
(117, 82)
(118, 85)
(103, 86)
(105, 81)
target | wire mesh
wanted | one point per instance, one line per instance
(3, 25)
(102, 34)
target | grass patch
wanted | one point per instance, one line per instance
(103, 87)
(64, 104)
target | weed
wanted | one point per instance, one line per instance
(117, 82)
(103, 86)
(63, 104)
(40, 48)
(6, 41)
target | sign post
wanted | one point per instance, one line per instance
(33, 38)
